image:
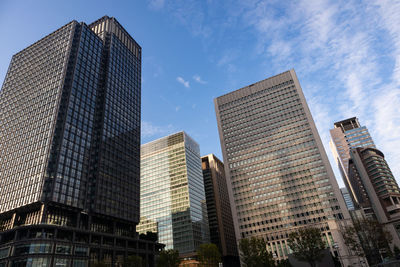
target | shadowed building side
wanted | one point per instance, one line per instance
(380, 191)
(222, 232)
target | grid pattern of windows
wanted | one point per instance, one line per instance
(70, 132)
(72, 170)
(277, 174)
(222, 231)
(172, 193)
(345, 138)
(70, 149)
(117, 182)
(28, 108)
(375, 181)
(347, 198)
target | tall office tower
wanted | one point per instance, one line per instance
(347, 198)
(172, 198)
(69, 149)
(345, 135)
(222, 232)
(377, 190)
(278, 172)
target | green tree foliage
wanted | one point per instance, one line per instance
(149, 236)
(254, 253)
(168, 258)
(307, 245)
(396, 252)
(283, 263)
(368, 238)
(99, 264)
(208, 255)
(133, 261)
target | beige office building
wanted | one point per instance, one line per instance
(278, 173)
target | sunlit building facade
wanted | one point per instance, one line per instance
(70, 149)
(278, 173)
(172, 197)
(345, 135)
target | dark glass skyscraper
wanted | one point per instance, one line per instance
(70, 149)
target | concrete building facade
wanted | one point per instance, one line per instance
(380, 193)
(366, 174)
(278, 173)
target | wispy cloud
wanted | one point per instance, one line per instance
(335, 49)
(156, 4)
(346, 54)
(151, 65)
(150, 130)
(198, 79)
(390, 19)
(182, 81)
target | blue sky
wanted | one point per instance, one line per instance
(346, 55)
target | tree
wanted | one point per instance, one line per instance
(168, 258)
(254, 253)
(99, 264)
(133, 261)
(149, 236)
(368, 238)
(396, 252)
(208, 255)
(307, 245)
(283, 263)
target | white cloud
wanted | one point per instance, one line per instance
(156, 4)
(198, 79)
(346, 54)
(150, 130)
(335, 45)
(390, 16)
(182, 81)
(177, 108)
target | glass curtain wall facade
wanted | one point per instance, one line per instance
(279, 176)
(348, 134)
(345, 135)
(172, 202)
(69, 143)
(347, 198)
